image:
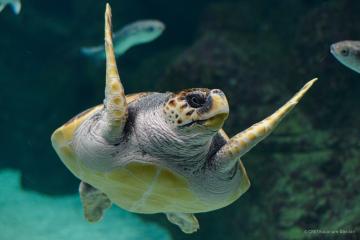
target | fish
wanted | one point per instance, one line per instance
(15, 5)
(348, 53)
(135, 33)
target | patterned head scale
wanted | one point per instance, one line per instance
(197, 108)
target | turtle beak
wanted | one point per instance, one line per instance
(215, 111)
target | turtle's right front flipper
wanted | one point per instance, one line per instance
(115, 114)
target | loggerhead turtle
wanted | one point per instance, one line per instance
(158, 152)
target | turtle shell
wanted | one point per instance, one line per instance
(137, 187)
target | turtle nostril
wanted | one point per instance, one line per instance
(196, 100)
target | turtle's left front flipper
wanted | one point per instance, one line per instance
(115, 105)
(226, 158)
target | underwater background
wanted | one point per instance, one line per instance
(305, 176)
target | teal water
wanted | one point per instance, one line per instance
(30, 215)
(304, 177)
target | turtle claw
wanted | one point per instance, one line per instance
(186, 221)
(94, 202)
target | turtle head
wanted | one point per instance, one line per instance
(197, 110)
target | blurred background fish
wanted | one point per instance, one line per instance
(135, 33)
(348, 53)
(15, 5)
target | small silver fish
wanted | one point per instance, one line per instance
(348, 53)
(15, 5)
(132, 34)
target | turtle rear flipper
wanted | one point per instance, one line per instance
(186, 221)
(94, 202)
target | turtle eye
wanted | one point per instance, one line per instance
(195, 100)
(344, 52)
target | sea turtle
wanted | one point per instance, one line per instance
(158, 152)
